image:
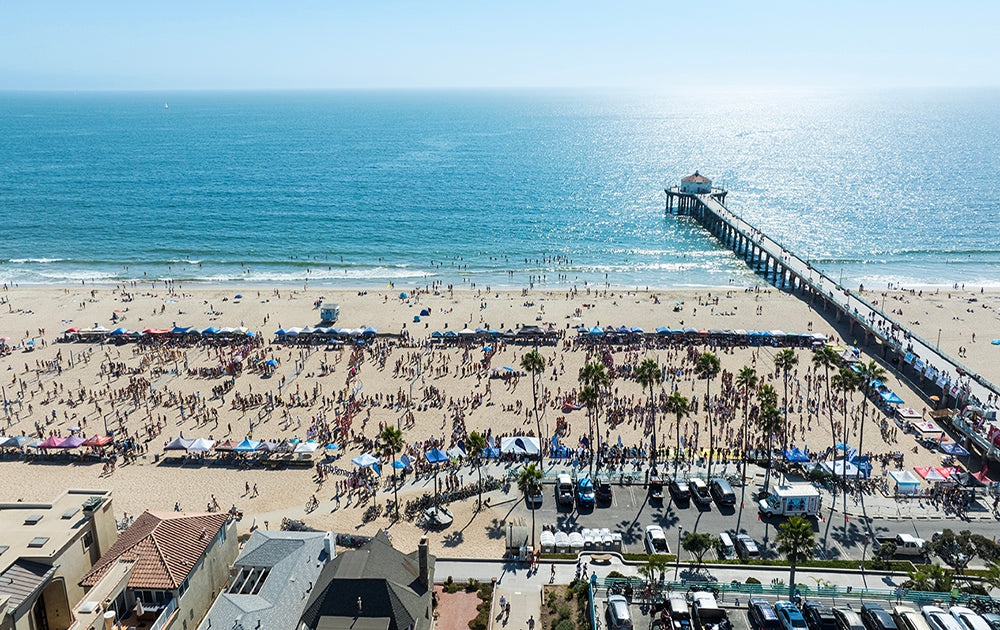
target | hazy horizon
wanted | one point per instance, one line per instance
(182, 46)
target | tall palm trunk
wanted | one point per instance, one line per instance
(711, 431)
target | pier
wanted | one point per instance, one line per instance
(932, 371)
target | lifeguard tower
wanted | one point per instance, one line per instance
(329, 313)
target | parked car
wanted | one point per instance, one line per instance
(746, 547)
(584, 493)
(848, 619)
(968, 618)
(722, 492)
(907, 618)
(938, 619)
(680, 614)
(790, 617)
(877, 618)
(564, 489)
(680, 489)
(699, 491)
(655, 488)
(762, 615)
(707, 613)
(604, 491)
(727, 550)
(993, 619)
(656, 540)
(618, 615)
(818, 616)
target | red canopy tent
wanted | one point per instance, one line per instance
(52, 442)
(98, 440)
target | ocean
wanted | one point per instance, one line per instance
(496, 188)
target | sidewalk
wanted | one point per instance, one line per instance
(525, 604)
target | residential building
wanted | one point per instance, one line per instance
(45, 549)
(163, 573)
(271, 581)
(373, 587)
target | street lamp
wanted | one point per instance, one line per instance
(939, 340)
(677, 566)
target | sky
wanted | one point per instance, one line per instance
(330, 44)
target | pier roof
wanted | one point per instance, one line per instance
(697, 178)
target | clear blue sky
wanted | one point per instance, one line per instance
(221, 44)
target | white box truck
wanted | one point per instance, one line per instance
(792, 500)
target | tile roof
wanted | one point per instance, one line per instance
(697, 178)
(165, 546)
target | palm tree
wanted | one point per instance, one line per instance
(797, 543)
(588, 397)
(596, 376)
(475, 445)
(391, 440)
(529, 482)
(769, 420)
(649, 374)
(707, 367)
(826, 357)
(677, 405)
(785, 361)
(867, 373)
(747, 381)
(844, 382)
(533, 363)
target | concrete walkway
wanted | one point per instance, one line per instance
(525, 607)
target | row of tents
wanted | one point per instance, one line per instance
(54, 442)
(690, 331)
(204, 445)
(486, 333)
(318, 331)
(101, 332)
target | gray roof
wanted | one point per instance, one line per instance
(386, 580)
(294, 561)
(23, 579)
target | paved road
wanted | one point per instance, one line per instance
(631, 511)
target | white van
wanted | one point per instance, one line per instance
(727, 551)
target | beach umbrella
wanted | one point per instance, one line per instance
(425, 312)
(271, 362)
(331, 447)
(179, 444)
(487, 348)
(403, 296)
(239, 297)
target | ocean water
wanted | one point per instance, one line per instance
(497, 188)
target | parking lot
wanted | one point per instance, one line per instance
(643, 617)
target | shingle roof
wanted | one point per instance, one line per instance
(295, 560)
(386, 580)
(165, 546)
(697, 178)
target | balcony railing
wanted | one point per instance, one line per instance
(165, 614)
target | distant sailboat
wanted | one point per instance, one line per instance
(165, 106)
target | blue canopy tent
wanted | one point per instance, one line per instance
(891, 398)
(596, 330)
(424, 312)
(955, 450)
(246, 446)
(435, 456)
(120, 331)
(367, 460)
(662, 330)
(211, 330)
(795, 456)
(179, 330)
(436, 334)
(450, 333)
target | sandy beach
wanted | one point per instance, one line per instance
(56, 386)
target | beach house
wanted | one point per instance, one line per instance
(45, 549)
(162, 573)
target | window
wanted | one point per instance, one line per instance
(38, 541)
(184, 587)
(249, 581)
(88, 539)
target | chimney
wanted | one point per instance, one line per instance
(109, 620)
(423, 561)
(329, 546)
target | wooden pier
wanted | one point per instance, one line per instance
(931, 370)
